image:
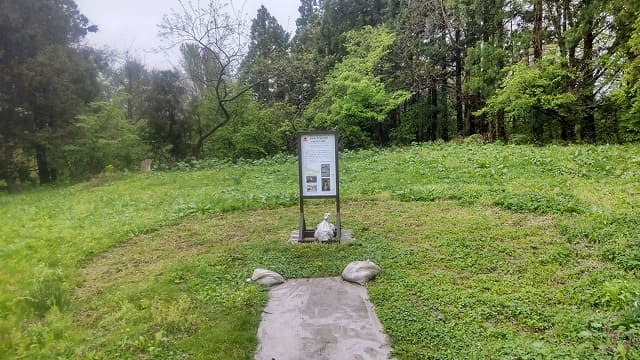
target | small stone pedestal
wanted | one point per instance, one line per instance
(346, 237)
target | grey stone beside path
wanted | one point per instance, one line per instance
(326, 318)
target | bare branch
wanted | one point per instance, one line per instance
(220, 33)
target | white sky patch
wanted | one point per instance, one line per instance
(131, 26)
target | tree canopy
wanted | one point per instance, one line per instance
(379, 72)
(46, 80)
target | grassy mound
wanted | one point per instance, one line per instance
(487, 251)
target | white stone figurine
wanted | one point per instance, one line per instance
(324, 230)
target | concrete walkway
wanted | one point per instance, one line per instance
(325, 318)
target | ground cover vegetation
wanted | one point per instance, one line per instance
(490, 251)
(384, 72)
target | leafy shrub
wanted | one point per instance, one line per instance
(54, 336)
(255, 133)
(102, 137)
(474, 139)
(534, 98)
(352, 98)
(601, 229)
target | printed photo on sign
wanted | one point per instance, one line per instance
(312, 187)
(325, 170)
(312, 179)
(326, 184)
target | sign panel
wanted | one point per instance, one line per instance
(318, 164)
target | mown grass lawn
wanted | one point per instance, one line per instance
(487, 251)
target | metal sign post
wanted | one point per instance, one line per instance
(318, 175)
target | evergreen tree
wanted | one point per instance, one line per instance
(45, 80)
(262, 66)
(340, 16)
(167, 128)
(135, 82)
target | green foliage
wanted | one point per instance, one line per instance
(102, 137)
(485, 63)
(339, 17)
(213, 60)
(474, 139)
(616, 295)
(255, 132)
(520, 139)
(46, 79)
(452, 55)
(198, 65)
(539, 203)
(263, 64)
(167, 129)
(420, 118)
(353, 99)
(627, 97)
(48, 291)
(534, 99)
(132, 82)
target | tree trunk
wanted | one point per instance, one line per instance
(380, 133)
(568, 23)
(433, 129)
(458, 64)
(615, 127)
(44, 173)
(567, 130)
(479, 123)
(469, 127)
(537, 29)
(538, 126)
(444, 103)
(6, 168)
(130, 108)
(588, 126)
(501, 132)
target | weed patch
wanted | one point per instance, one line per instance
(538, 203)
(49, 291)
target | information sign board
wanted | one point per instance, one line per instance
(318, 164)
(318, 175)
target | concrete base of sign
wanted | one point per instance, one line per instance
(345, 238)
(326, 318)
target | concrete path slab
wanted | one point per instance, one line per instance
(326, 318)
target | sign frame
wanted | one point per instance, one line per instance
(322, 152)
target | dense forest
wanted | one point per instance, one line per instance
(381, 72)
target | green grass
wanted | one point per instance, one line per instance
(487, 251)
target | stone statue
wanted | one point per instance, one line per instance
(324, 231)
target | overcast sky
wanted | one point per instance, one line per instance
(132, 25)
